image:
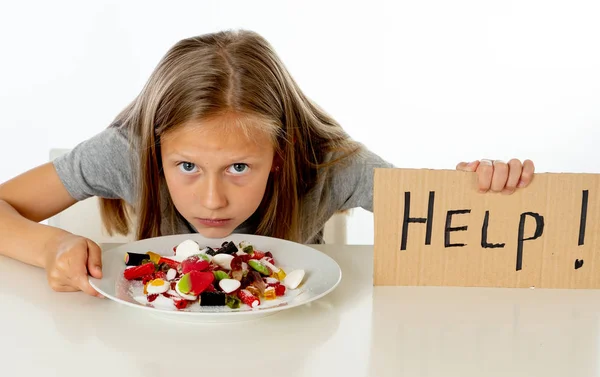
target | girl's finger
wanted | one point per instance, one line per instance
(499, 176)
(485, 170)
(526, 174)
(469, 167)
(94, 260)
(60, 287)
(84, 285)
(514, 174)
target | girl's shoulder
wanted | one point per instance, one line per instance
(99, 166)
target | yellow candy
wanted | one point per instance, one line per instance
(279, 275)
(270, 293)
(154, 258)
(252, 289)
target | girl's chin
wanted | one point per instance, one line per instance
(214, 232)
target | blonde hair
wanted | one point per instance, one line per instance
(208, 76)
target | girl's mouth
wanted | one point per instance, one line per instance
(213, 222)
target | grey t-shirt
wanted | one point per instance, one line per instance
(101, 166)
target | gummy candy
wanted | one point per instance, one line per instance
(223, 260)
(212, 298)
(232, 301)
(139, 271)
(220, 275)
(280, 289)
(270, 293)
(134, 259)
(193, 263)
(154, 258)
(169, 262)
(228, 248)
(226, 276)
(248, 298)
(253, 290)
(229, 285)
(195, 282)
(258, 266)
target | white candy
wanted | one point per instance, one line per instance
(229, 285)
(270, 280)
(171, 274)
(223, 261)
(158, 289)
(187, 248)
(293, 279)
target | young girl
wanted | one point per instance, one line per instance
(221, 139)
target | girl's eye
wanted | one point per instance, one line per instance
(238, 169)
(187, 167)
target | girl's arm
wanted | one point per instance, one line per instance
(24, 201)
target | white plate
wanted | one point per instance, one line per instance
(322, 275)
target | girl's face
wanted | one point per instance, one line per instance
(216, 179)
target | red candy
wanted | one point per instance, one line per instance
(279, 289)
(139, 271)
(258, 255)
(248, 298)
(160, 275)
(180, 303)
(200, 281)
(193, 263)
(236, 263)
(169, 262)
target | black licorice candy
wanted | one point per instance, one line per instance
(212, 299)
(210, 251)
(228, 248)
(134, 259)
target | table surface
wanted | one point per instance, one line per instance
(356, 330)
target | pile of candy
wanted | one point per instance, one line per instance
(230, 275)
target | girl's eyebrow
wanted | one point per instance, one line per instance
(234, 158)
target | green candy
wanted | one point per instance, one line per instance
(185, 284)
(204, 256)
(246, 247)
(258, 266)
(219, 275)
(232, 301)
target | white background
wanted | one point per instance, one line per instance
(422, 83)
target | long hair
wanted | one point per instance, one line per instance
(214, 74)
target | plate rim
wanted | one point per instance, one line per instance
(93, 281)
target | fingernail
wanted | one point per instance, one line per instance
(521, 184)
(471, 163)
(498, 162)
(99, 268)
(486, 162)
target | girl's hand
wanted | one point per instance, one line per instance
(499, 176)
(68, 262)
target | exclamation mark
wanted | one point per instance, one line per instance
(582, 222)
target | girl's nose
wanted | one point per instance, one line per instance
(212, 194)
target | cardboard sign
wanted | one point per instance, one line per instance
(433, 227)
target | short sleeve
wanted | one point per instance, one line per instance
(352, 181)
(100, 166)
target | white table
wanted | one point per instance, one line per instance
(357, 330)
